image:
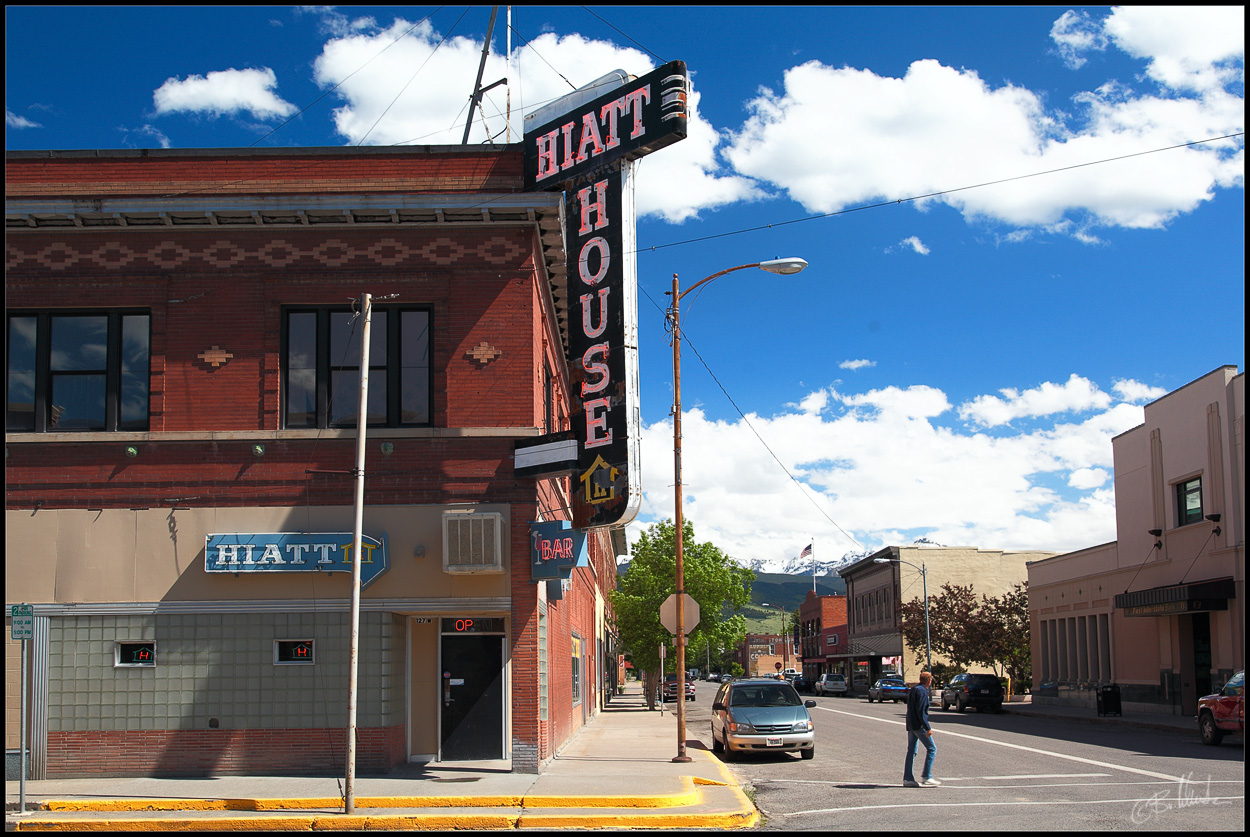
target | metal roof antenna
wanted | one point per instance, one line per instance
(476, 99)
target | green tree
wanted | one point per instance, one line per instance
(954, 626)
(711, 578)
(1005, 626)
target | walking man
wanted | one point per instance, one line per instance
(918, 729)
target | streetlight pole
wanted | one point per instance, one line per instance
(924, 580)
(783, 267)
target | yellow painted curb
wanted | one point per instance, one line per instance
(121, 805)
(688, 796)
(321, 822)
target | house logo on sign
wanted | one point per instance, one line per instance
(599, 482)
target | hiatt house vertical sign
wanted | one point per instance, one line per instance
(586, 153)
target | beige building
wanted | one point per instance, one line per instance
(877, 586)
(1159, 612)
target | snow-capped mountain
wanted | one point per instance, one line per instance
(803, 566)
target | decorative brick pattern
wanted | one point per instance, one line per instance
(279, 253)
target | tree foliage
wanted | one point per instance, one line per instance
(993, 631)
(711, 578)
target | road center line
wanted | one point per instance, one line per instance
(1079, 759)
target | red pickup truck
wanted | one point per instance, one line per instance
(1223, 712)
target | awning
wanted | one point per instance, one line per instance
(1199, 597)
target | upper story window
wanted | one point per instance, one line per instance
(321, 367)
(1189, 501)
(72, 371)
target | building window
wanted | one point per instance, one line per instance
(134, 654)
(294, 652)
(78, 371)
(1189, 501)
(542, 662)
(321, 367)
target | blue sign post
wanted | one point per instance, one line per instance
(293, 552)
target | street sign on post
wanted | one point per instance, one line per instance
(23, 621)
(668, 614)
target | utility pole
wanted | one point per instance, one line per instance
(349, 796)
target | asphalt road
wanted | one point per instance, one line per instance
(998, 772)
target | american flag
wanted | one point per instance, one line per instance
(807, 550)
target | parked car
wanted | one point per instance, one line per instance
(831, 684)
(761, 715)
(801, 683)
(671, 689)
(984, 691)
(1223, 713)
(726, 678)
(888, 688)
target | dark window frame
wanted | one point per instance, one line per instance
(324, 366)
(115, 386)
(1184, 488)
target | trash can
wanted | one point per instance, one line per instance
(1109, 700)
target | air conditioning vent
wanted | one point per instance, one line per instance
(471, 543)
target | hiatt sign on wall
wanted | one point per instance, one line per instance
(585, 153)
(293, 552)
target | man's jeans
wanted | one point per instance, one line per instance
(927, 740)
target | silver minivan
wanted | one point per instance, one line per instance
(753, 716)
(831, 684)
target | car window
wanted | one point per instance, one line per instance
(764, 694)
(1236, 683)
(982, 680)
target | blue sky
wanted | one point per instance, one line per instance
(951, 368)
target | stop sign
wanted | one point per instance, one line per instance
(668, 614)
(777, 666)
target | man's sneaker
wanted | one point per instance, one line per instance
(929, 782)
(910, 783)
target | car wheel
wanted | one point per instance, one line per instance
(1211, 734)
(717, 747)
(960, 706)
(896, 700)
(729, 754)
(945, 706)
(809, 753)
(870, 698)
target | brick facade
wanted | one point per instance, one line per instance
(216, 292)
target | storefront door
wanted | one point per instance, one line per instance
(472, 725)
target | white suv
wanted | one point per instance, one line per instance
(831, 684)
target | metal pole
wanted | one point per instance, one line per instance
(349, 797)
(24, 742)
(928, 647)
(677, 535)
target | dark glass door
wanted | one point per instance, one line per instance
(472, 697)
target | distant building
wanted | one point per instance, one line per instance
(875, 592)
(822, 635)
(759, 654)
(1160, 611)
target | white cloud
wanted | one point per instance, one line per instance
(1076, 395)
(915, 244)
(1074, 32)
(1136, 392)
(886, 471)
(857, 364)
(12, 120)
(1199, 48)
(224, 92)
(675, 185)
(939, 128)
(147, 132)
(1085, 478)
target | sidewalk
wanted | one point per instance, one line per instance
(617, 772)
(1170, 723)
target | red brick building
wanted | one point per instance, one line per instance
(822, 635)
(183, 369)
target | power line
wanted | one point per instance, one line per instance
(937, 194)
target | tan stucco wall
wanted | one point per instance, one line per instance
(152, 555)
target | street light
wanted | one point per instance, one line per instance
(924, 579)
(784, 267)
(785, 645)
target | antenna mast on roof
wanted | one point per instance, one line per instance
(476, 99)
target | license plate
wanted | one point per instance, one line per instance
(985, 691)
(773, 742)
